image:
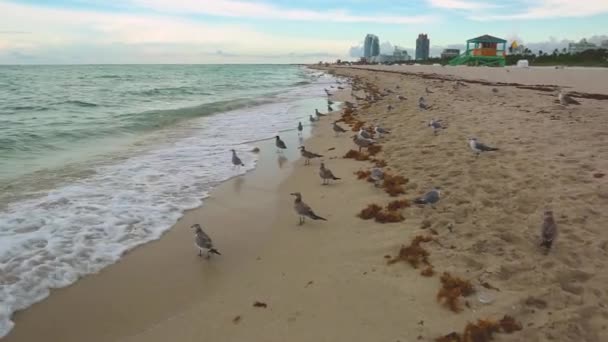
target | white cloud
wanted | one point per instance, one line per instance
(553, 9)
(459, 4)
(246, 9)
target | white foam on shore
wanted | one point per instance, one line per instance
(80, 227)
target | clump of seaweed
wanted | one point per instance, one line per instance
(370, 212)
(363, 174)
(452, 289)
(379, 162)
(352, 154)
(398, 204)
(374, 149)
(357, 125)
(392, 185)
(389, 216)
(428, 271)
(482, 331)
(414, 254)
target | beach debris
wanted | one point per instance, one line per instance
(363, 174)
(478, 147)
(398, 204)
(598, 175)
(258, 304)
(377, 176)
(435, 125)
(331, 149)
(414, 254)
(389, 216)
(203, 242)
(485, 297)
(452, 289)
(370, 211)
(379, 131)
(393, 184)
(236, 319)
(338, 129)
(308, 155)
(280, 144)
(303, 210)
(356, 155)
(548, 231)
(374, 149)
(236, 161)
(326, 174)
(483, 330)
(430, 197)
(255, 150)
(422, 104)
(309, 283)
(566, 99)
(319, 114)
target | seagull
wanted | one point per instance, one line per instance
(338, 129)
(422, 104)
(308, 155)
(401, 98)
(330, 102)
(326, 174)
(236, 161)
(428, 91)
(377, 175)
(303, 209)
(380, 131)
(362, 142)
(478, 147)
(280, 144)
(364, 134)
(300, 128)
(565, 99)
(548, 231)
(312, 118)
(203, 242)
(435, 125)
(430, 197)
(329, 109)
(319, 114)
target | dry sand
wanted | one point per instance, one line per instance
(329, 281)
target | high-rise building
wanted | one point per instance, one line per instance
(422, 47)
(371, 46)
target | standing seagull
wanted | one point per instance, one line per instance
(280, 144)
(300, 128)
(312, 118)
(380, 131)
(303, 209)
(338, 129)
(478, 147)
(326, 174)
(364, 134)
(430, 197)
(329, 109)
(422, 104)
(377, 175)
(319, 114)
(549, 230)
(308, 155)
(236, 161)
(362, 142)
(203, 242)
(565, 99)
(435, 125)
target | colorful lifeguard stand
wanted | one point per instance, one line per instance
(485, 50)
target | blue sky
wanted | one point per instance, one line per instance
(272, 31)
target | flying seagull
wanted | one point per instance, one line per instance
(380, 131)
(203, 242)
(377, 175)
(319, 114)
(548, 231)
(300, 128)
(303, 209)
(565, 99)
(280, 144)
(430, 197)
(338, 129)
(308, 155)
(326, 174)
(478, 147)
(236, 161)
(435, 125)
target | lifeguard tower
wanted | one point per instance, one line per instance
(485, 50)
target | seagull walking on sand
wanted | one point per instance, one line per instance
(319, 114)
(308, 155)
(435, 125)
(337, 128)
(300, 128)
(548, 231)
(478, 147)
(362, 142)
(364, 134)
(379, 131)
(312, 118)
(304, 210)
(566, 100)
(236, 161)
(280, 144)
(326, 174)
(430, 197)
(377, 175)
(203, 242)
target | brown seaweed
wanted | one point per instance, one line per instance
(374, 149)
(398, 204)
(363, 174)
(414, 254)
(428, 271)
(452, 289)
(356, 155)
(387, 216)
(370, 212)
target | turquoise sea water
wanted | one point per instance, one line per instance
(95, 160)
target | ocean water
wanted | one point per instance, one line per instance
(95, 160)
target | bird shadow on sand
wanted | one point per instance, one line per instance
(281, 160)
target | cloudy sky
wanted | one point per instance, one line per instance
(271, 31)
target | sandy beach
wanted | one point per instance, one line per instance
(330, 281)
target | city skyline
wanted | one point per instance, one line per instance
(272, 31)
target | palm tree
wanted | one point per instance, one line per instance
(540, 53)
(564, 51)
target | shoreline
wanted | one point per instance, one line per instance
(329, 281)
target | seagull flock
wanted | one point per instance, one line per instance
(364, 139)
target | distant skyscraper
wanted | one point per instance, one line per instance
(422, 47)
(371, 46)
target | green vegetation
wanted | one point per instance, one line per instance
(597, 58)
